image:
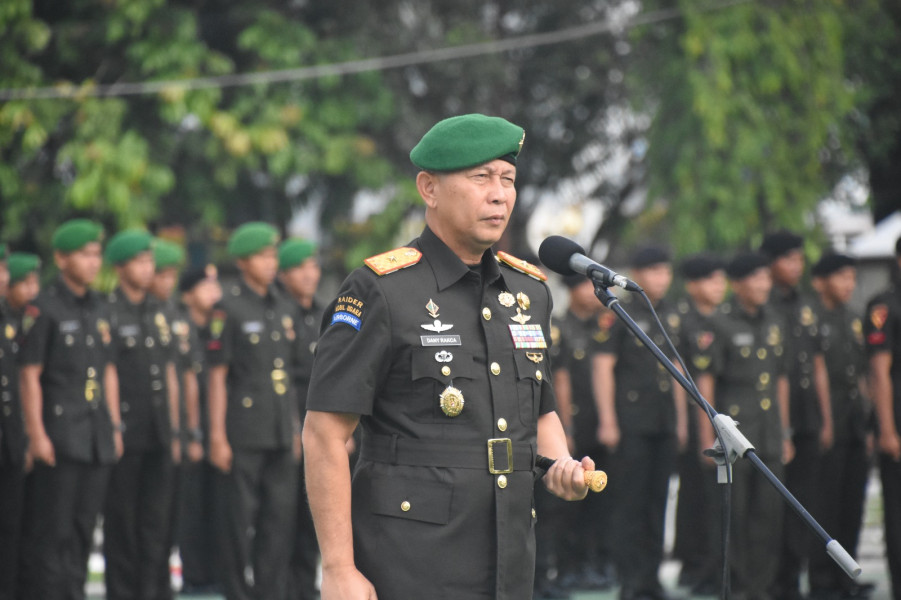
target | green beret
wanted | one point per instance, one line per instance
(467, 141)
(125, 245)
(76, 234)
(293, 252)
(250, 238)
(167, 254)
(20, 264)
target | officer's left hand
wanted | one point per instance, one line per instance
(566, 478)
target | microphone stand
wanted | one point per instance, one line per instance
(731, 444)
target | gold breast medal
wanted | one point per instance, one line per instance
(451, 399)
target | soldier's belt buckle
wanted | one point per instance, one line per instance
(509, 446)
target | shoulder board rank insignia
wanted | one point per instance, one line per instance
(521, 266)
(393, 260)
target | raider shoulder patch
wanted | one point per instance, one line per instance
(393, 260)
(522, 266)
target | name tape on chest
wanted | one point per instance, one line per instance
(527, 336)
(440, 340)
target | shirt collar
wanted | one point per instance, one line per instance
(448, 267)
(68, 296)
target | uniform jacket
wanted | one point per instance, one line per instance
(12, 428)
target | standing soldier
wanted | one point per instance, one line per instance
(839, 509)
(640, 416)
(438, 351)
(24, 282)
(745, 378)
(70, 398)
(12, 442)
(254, 427)
(299, 274)
(883, 338)
(696, 546)
(200, 292)
(811, 415)
(136, 523)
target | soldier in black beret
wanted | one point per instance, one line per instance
(642, 423)
(811, 414)
(840, 509)
(743, 374)
(439, 351)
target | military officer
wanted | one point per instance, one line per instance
(641, 411)
(811, 417)
(24, 281)
(138, 511)
(439, 351)
(12, 440)
(69, 391)
(299, 275)
(745, 378)
(254, 427)
(695, 546)
(839, 509)
(882, 328)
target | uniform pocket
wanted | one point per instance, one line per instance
(413, 499)
(529, 377)
(433, 370)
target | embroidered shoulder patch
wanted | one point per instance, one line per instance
(522, 266)
(393, 260)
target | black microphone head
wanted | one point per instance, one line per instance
(555, 252)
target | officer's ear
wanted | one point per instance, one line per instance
(427, 186)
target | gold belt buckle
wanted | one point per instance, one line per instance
(491, 444)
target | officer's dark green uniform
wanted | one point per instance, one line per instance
(70, 337)
(840, 508)
(254, 337)
(746, 359)
(138, 510)
(645, 458)
(305, 553)
(12, 454)
(439, 358)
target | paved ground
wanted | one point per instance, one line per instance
(870, 556)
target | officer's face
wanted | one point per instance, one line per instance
(164, 282)
(709, 290)
(787, 269)
(24, 291)
(262, 267)
(655, 280)
(303, 279)
(469, 210)
(754, 290)
(839, 287)
(138, 272)
(82, 265)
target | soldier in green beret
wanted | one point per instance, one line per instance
(69, 390)
(254, 425)
(24, 281)
(438, 350)
(139, 499)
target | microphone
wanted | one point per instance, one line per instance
(566, 257)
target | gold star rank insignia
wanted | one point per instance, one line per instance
(522, 266)
(393, 260)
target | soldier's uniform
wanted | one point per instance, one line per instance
(839, 509)
(70, 337)
(254, 337)
(396, 347)
(645, 458)
(746, 358)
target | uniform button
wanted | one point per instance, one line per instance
(745, 352)
(664, 386)
(130, 342)
(276, 336)
(734, 410)
(156, 385)
(502, 481)
(761, 353)
(765, 404)
(851, 370)
(486, 313)
(89, 340)
(154, 370)
(538, 375)
(534, 515)
(149, 342)
(405, 506)
(278, 363)
(312, 347)
(777, 350)
(4, 381)
(805, 383)
(632, 395)
(247, 402)
(92, 372)
(495, 368)
(502, 424)
(578, 354)
(58, 410)
(69, 340)
(764, 378)
(254, 338)
(125, 407)
(445, 370)
(6, 396)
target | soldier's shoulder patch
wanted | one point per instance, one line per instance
(878, 315)
(348, 310)
(393, 260)
(217, 323)
(520, 265)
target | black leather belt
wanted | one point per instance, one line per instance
(497, 456)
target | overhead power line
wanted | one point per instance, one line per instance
(71, 91)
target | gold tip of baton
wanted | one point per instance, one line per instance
(595, 480)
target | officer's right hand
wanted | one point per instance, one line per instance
(41, 449)
(221, 454)
(890, 444)
(346, 583)
(609, 435)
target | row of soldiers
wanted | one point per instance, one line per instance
(111, 403)
(789, 365)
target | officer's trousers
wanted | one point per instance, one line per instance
(259, 495)
(305, 555)
(198, 506)
(12, 504)
(136, 526)
(63, 504)
(692, 543)
(890, 472)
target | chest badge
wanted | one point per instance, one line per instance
(432, 308)
(444, 356)
(437, 326)
(451, 401)
(535, 357)
(506, 299)
(521, 318)
(523, 300)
